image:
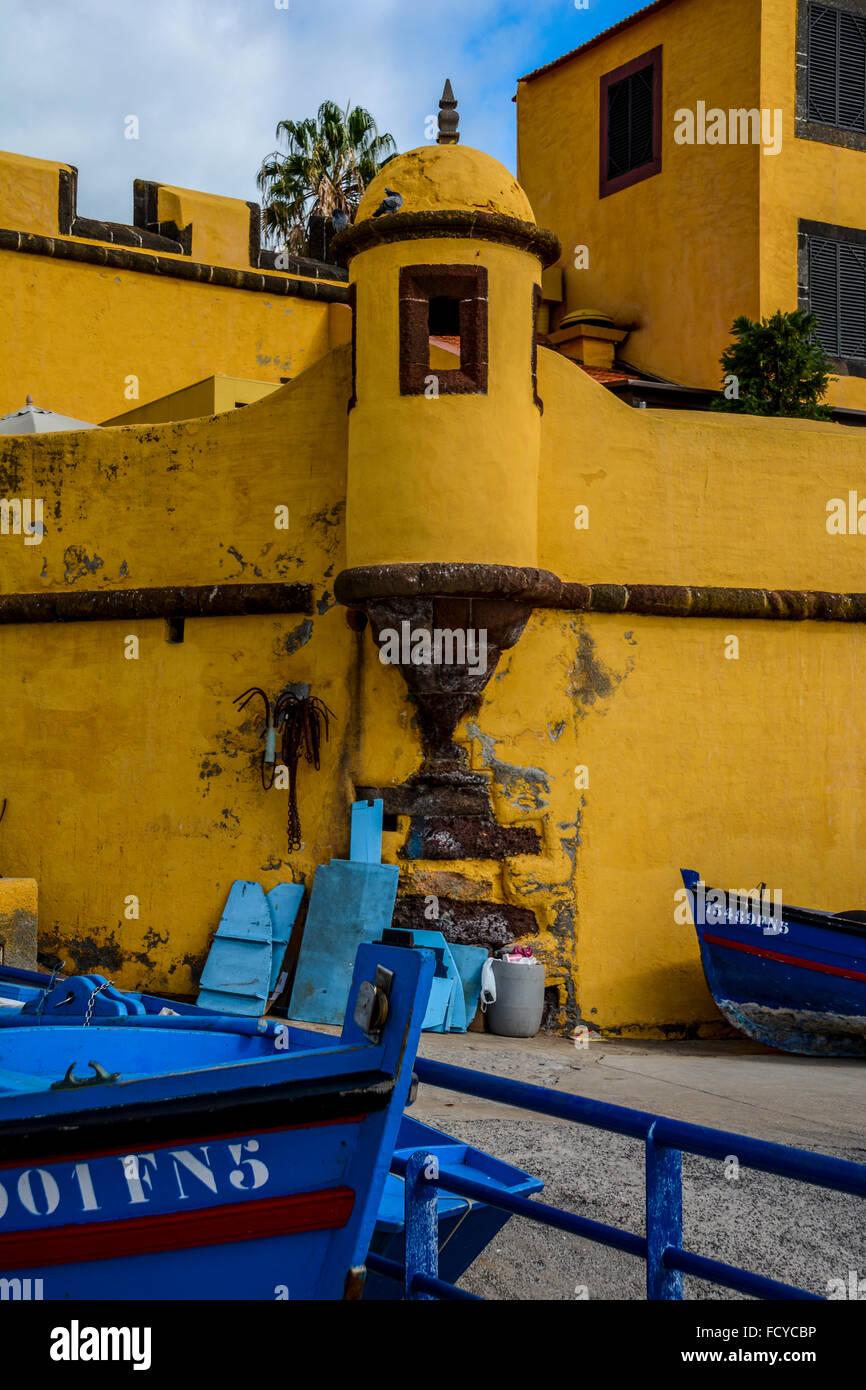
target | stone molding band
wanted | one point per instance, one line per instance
(180, 601)
(127, 258)
(542, 589)
(460, 223)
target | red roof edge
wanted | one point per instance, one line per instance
(599, 38)
(605, 374)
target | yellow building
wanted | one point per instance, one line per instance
(672, 656)
(101, 318)
(209, 397)
(700, 161)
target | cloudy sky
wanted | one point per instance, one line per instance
(209, 79)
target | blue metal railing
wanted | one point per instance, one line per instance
(665, 1142)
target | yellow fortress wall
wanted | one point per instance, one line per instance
(154, 786)
(620, 737)
(106, 318)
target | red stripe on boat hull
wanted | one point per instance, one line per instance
(325, 1210)
(787, 960)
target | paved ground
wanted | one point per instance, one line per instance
(791, 1231)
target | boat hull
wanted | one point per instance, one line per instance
(238, 1173)
(171, 1221)
(795, 981)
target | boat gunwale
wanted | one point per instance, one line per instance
(19, 1134)
(810, 917)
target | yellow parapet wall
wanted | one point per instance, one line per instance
(687, 497)
(109, 317)
(209, 397)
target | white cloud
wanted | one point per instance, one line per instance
(209, 79)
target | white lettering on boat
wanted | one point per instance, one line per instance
(28, 1198)
(258, 1172)
(112, 1183)
(137, 1177)
(182, 1158)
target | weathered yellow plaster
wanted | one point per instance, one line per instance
(19, 917)
(633, 745)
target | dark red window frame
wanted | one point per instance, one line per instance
(418, 285)
(653, 166)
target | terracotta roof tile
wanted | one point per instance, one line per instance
(606, 375)
(446, 341)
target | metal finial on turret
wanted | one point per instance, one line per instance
(448, 117)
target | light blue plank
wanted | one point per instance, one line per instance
(366, 832)
(283, 901)
(438, 1006)
(350, 903)
(469, 960)
(237, 973)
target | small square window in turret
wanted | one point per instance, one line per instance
(443, 330)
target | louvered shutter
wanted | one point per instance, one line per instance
(837, 295)
(618, 107)
(824, 291)
(630, 123)
(641, 124)
(837, 68)
(823, 66)
(852, 72)
(852, 301)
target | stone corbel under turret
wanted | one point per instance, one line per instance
(489, 606)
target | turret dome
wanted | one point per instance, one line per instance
(437, 178)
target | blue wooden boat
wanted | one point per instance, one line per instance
(30, 998)
(791, 977)
(202, 1156)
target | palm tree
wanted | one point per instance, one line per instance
(331, 158)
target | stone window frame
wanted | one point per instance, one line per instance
(804, 129)
(418, 285)
(652, 58)
(353, 306)
(537, 302)
(842, 366)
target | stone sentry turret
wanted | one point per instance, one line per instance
(444, 438)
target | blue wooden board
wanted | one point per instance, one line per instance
(350, 903)
(439, 1005)
(469, 960)
(283, 901)
(366, 832)
(237, 974)
(454, 996)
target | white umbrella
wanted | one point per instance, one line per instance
(33, 420)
